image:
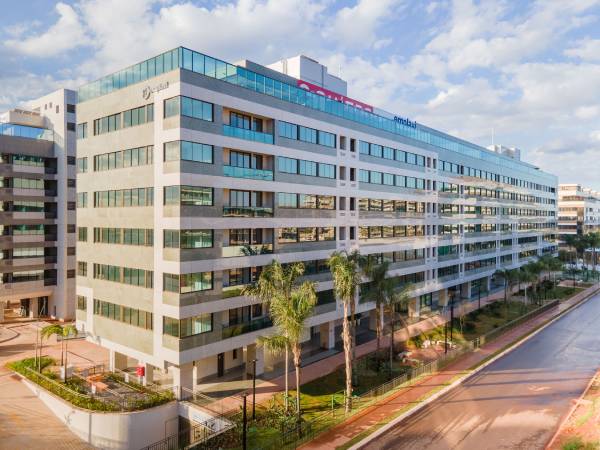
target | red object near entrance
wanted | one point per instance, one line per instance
(140, 371)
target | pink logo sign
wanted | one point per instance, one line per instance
(333, 95)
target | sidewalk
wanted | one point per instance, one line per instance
(404, 398)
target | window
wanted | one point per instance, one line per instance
(188, 151)
(107, 124)
(70, 126)
(81, 303)
(82, 165)
(188, 195)
(301, 133)
(186, 283)
(125, 275)
(70, 108)
(82, 234)
(188, 239)
(189, 107)
(82, 130)
(82, 200)
(125, 314)
(82, 268)
(305, 234)
(188, 327)
(139, 156)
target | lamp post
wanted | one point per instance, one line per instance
(244, 424)
(479, 294)
(253, 389)
(451, 315)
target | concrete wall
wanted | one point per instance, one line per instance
(119, 431)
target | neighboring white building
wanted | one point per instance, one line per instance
(37, 190)
(200, 172)
(578, 210)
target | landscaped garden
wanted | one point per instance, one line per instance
(102, 391)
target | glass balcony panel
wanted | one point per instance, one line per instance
(245, 172)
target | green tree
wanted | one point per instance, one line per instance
(289, 317)
(509, 276)
(378, 289)
(275, 284)
(525, 276)
(593, 240)
(346, 280)
(64, 331)
(396, 299)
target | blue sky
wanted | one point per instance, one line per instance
(528, 70)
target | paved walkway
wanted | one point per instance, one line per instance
(402, 399)
(25, 422)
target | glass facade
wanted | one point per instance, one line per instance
(184, 58)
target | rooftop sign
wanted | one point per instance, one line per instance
(333, 95)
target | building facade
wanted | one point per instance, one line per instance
(578, 210)
(199, 172)
(37, 164)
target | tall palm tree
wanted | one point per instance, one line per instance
(379, 288)
(525, 276)
(509, 276)
(346, 279)
(289, 317)
(397, 298)
(276, 283)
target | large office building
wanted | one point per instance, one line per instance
(195, 173)
(578, 210)
(37, 196)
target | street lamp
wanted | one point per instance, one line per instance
(244, 424)
(451, 315)
(253, 389)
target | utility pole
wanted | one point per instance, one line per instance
(254, 389)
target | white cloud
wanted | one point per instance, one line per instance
(587, 50)
(66, 34)
(357, 26)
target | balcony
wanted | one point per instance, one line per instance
(244, 172)
(234, 251)
(449, 257)
(11, 129)
(247, 211)
(246, 327)
(450, 277)
(248, 135)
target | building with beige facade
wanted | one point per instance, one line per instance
(37, 196)
(199, 172)
(578, 210)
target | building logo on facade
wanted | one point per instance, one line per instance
(148, 90)
(404, 121)
(333, 95)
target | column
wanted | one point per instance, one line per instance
(33, 307)
(253, 351)
(327, 335)
(465, 290)
(148, 374)
(183, 380)
(373, 320)
(413, 307)
(488, 284)
(117, 361)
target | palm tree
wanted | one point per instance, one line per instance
(346, 279)
(379, 288)
(396, 298)
(509, 276)
(276, 283)
(525, 276)
(289, 317)
(64, 331)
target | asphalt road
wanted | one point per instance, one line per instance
(517, 401)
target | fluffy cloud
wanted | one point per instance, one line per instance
(67, 33)
(587, 50)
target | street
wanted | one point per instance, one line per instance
(516, 402)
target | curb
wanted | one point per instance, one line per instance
(472, 373)
(571, 411)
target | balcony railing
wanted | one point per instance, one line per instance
(245, 172)
(246, 327)
(249, 135)
(247, 211)
(247, 250)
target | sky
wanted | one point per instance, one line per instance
(517, 73)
